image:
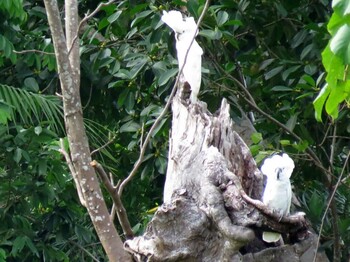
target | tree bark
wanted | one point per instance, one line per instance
(204, 216)
(69, 73)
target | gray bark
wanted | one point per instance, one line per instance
(204, 216)
(69, 72)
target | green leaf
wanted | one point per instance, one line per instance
(18, 245)
(336, 96)
(256, 137)
(161, 164)
(234, 22)
(5, 113)
(30, 244)
(306, 51)
(211, 34)
(333, 65)
(114, 17)
(159, 127)
(130, 126)
(340, 44)
(292, 122)
(18, 155)
(139, 17)
(288, 71)
(316, 205)
(320, 101)
(266, 63)
(221, 18)
(130, 101)
(285, 142)
(122, 97)
(341, 6)
(2, 255)
(165, 77)
(31, 84)
(282, 88)
(301, 146)
(273, 72)
(38, 130)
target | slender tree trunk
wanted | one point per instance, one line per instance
(69, 74)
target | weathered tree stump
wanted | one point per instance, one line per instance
(204, 216)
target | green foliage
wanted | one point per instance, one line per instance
(128, 62)
(40, 215)
(336, 60)
(29, 108)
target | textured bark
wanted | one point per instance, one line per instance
(204, 216)
(68, 69)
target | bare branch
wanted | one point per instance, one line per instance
(73, 172)
(86, 18)
(121, 213)
(250, 100)
(164, 111)
(298, 219)
(112, 214)
(33, 51)
(85, 250)
(330, 202)
(104, 146)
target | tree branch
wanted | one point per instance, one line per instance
(251, 102)
(33, 51)
(85, 250)
(69, 70)
(85, 19)
(73, 172)
(329, 203)
(298, 219)
(104, 146)
(113, 191)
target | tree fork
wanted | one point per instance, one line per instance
(69, 74)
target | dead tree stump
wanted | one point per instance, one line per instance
(204, 216)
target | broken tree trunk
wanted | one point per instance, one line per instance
(204, 216)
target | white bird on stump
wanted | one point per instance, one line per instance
(278, 191)
(185, 30)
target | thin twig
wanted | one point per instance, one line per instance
(85, 250)
(325, 135)
(89, 99)
(121, 212)
(33, 51)
(102, 147)
(329, 203)
(332, 206)
(162, 114)
(87, 17)
(309, 151)
(250, 100)
(112, 214)
(142, 134)
(73, 172)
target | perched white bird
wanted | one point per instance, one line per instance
(278, 191)
(185, 30)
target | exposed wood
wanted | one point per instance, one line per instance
(211, 209)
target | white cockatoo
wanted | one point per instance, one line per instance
(185, 30)
(278, 191)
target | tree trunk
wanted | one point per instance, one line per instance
(69, 74)
(204, 216)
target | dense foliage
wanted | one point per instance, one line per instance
(263, 56)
